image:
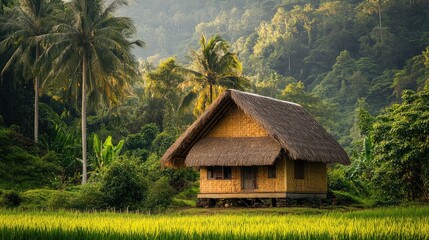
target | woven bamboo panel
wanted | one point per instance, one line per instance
(315, 178)
(264, 184)
(277, 184)
(220, 186)
(237, 124)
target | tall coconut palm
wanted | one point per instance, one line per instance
(92, 58)
(213, 66)
(28, 21)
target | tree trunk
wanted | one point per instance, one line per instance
(211, 91)
(379, 21)
(36, 101)
(379, 14)
(36, 109)
(84, 160)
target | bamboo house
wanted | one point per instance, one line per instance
(250, 146)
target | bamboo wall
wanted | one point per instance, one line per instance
(315, 178)
(220, 186)
(233, 185)
(277, 184)
(237, 124)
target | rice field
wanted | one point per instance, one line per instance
(387, 223)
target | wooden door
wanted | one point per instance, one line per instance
(248, 177)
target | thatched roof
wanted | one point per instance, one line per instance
(289, 124)
(243, 151)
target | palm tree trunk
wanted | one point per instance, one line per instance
(36, 101)
(36, 109)
(84, 160)
(379, 20)
(211, 92)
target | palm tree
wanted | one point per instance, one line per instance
(92, 58)
(29, 20)
(213, 66)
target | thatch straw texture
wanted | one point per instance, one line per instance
(288, 123)
(243, 151)
(296, 130)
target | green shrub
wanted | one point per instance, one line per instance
(188, 197)
(181, 178)
(344, 198)
(51, 199)
(123, 186)
(141, 154)
(89, 197)
(149, 131)
(84, 197)
(151, 168)
(160, 195)
(135, 141)
(337, 180)
(22, 164)
(162, 142)
(36, 198)
(11, 199)
(62, 200)
(190, 192)
(143, 139)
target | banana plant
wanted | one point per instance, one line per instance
(105, 152)
(364, 159)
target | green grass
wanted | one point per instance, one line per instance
(187, 198)
(276, 223)
(177, 202)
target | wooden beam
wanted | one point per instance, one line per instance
(242, 195)
(306, 195)
(262, 195)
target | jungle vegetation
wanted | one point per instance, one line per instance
(94, 92)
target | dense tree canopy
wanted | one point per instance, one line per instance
(401, 154)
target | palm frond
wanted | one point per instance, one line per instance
(113, 7)
(186, 101)
(138, 43)
(11, 60)
(189, 73)
(234, 82)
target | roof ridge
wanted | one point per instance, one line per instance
(262, 96)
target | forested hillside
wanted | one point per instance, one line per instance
(360, 67)
(340, 50)
(171, 28)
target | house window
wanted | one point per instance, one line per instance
(219, 173)
(272, 171)
(299, 168)
(227, 174)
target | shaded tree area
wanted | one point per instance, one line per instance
(90, 86)
(401, 152)
(390, 159)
